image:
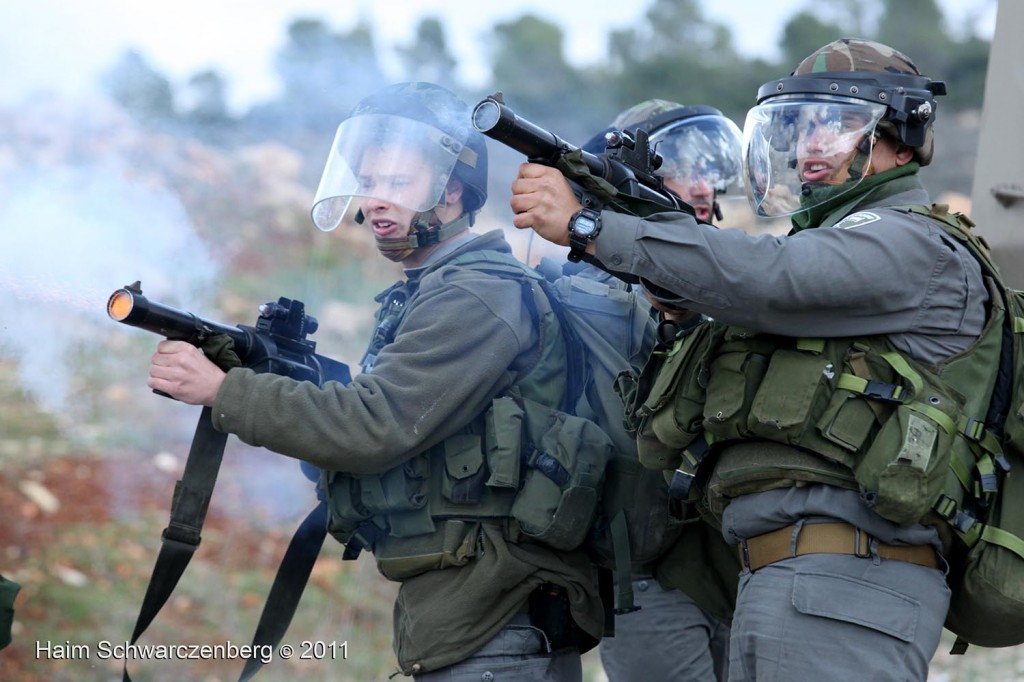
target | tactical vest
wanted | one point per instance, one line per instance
(524, 464)
(850, 412)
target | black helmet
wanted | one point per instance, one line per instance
(857, 89)
(423, 115)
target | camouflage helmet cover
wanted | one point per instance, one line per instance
(853, 54)
(690, 139)
(859, 55)
(653, 113)
(650, 116)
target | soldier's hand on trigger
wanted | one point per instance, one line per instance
(183, 371)
(543, 201)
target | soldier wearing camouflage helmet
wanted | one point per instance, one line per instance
(679, 633)
(816, 417)
(415, 466)
(700, 150)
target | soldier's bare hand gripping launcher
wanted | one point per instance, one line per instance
(276, 344)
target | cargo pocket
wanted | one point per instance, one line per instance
(847, 422)
(796, 381)
(464, 470)
(676, 400)
(903, 471)
(402, 488)
(733, 380)
(672, 392)
(346, 511)
(858, 602)
(503, 441)
(399, 559)
(565, 460)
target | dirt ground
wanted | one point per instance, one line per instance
(81, 534)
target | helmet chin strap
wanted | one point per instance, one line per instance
(863, 156)
(427, 230)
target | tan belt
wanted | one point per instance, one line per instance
(826, 538)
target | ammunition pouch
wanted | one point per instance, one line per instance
(535, 470)
(854, 413)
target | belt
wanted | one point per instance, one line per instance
(827, 538)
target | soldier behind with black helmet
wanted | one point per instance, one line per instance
(839, 363)
(673, 636)
(402, 448)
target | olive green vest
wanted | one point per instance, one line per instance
(524, 464)
(849, 412)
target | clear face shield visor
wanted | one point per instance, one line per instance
(391, 159)
(793, 146)
(703, 149)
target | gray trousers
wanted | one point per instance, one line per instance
(821, 617)
(518, 653)
(670, 639)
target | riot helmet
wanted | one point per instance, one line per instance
(402, 145)
(701, 149)
(811, 135)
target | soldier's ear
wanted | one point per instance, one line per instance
(904, 155)
(453, 191)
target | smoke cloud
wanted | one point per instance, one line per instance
(74, 227)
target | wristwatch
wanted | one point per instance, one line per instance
(584, 226)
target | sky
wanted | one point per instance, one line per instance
(62, 47)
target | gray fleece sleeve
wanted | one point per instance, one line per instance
(453, 354)
(899, 275)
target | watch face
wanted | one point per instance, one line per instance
(583, 226)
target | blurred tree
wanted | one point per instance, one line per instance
(143, 92)
(428, 57)
(803, 34)
(680, 27)
(966, 74)
(528, 64)
(207, 92)
(324, 74)
(917, 28)
(678, 54)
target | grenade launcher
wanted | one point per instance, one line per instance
(276, 344)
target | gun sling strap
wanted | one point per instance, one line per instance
(181, 538)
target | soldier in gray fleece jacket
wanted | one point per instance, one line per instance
(476, 596)
(815, 416)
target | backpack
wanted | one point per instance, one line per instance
(987, 565)
(609, 333)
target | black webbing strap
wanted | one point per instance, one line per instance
(289, 583)
(188, 511)
(606, 590)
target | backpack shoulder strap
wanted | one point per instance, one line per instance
(505, 265)
(961, 228)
